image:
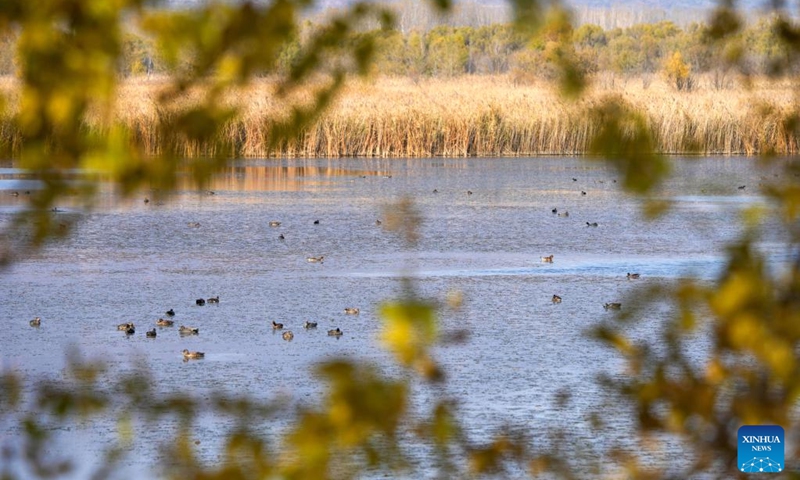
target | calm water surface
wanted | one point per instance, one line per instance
(132, 262)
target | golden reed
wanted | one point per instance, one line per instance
(466, 116)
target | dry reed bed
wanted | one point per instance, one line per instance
(483, 116)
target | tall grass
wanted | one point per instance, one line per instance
(467, 116)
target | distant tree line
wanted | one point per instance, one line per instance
(449, 51)
(655, 48)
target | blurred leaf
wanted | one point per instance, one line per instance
(404, 218)
(625, 140)
(360, 409)
(409, 332)
(725, 21)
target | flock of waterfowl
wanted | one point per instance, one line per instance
(130, 328)
(549, 258)
(336, 332)
(607, 306)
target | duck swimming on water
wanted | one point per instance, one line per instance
(192, 355)
(335, 332)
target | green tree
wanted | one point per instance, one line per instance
(491, 46)
(624, 55)
(416, 52)
(138, 56)
(392, 53)
(447, 51)
(589, 35)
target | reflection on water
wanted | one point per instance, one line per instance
(17, 184)
(135, 261)
(259, 178)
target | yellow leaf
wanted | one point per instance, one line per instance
(745, 331)
(732, 294)
(409, 329)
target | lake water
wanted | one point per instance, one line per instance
(133, 261)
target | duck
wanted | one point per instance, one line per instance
(378, 222)
(742, 187)
(556, 299)
(352, 311)
(214, 299)
(200, 302)
(277, 326)
(130, 330)
(192, 355)
(316, 222)
(555, 210)
(125, 326)
(633, 276)
(335, 332)
(165, 323)
(435, 190)
(171, 312)
(547, 259)
(310, 324)
(583, 193)
(593, 224)
(612, 306)
(288, 335)
(274, 223)
(151, 333)
(469, 192)
(281, 237)
(565, 214)
(36, 322)
(188, 330)
(193, 224)
(315, 259)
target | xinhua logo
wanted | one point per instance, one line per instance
(760, 448)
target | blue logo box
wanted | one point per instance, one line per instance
(761, 449)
